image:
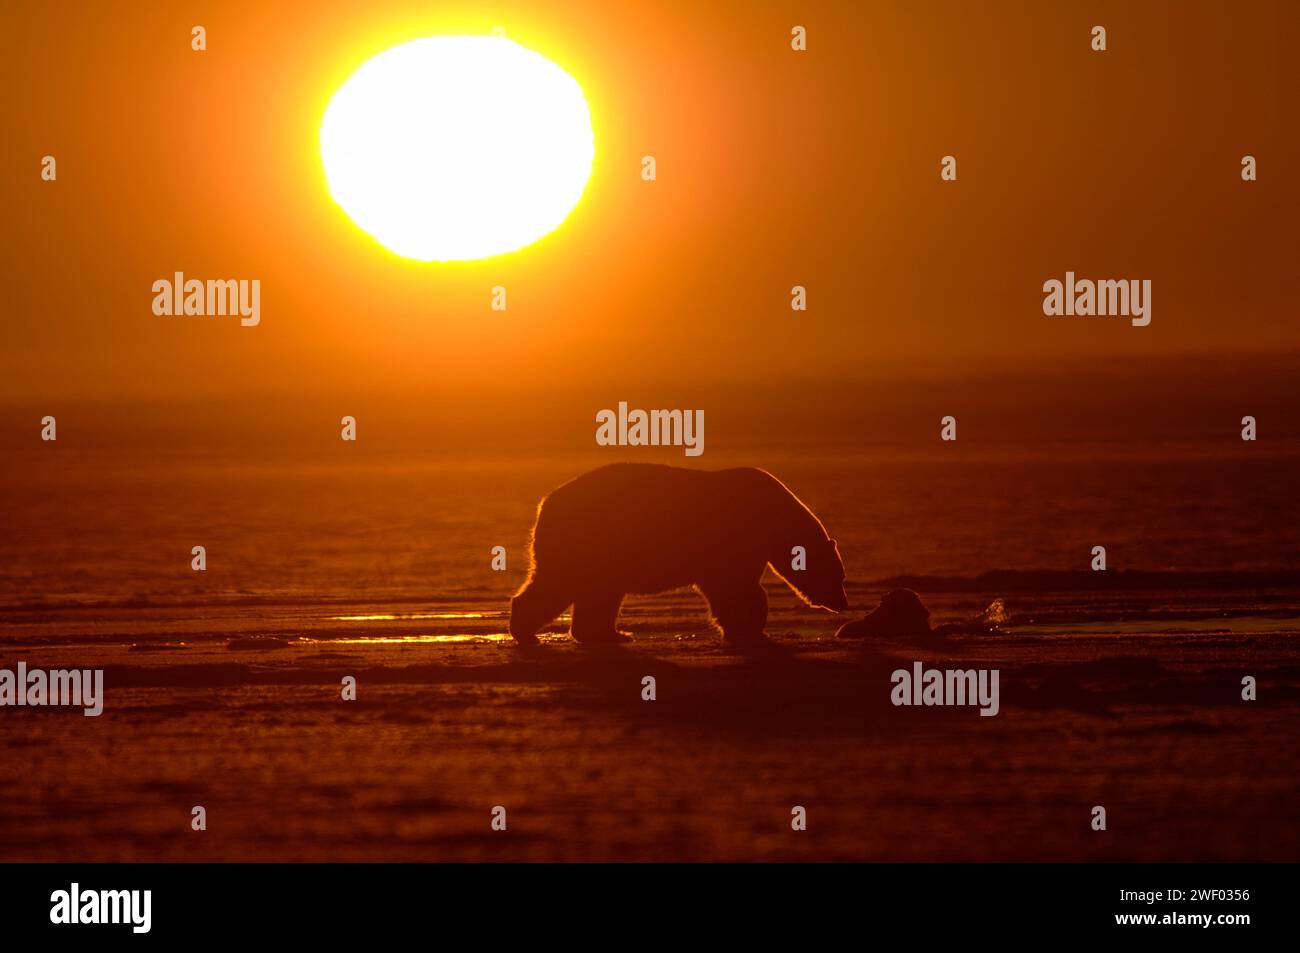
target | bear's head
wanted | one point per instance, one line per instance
(821, 583)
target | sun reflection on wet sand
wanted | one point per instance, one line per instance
(425, 639)
(390, 617)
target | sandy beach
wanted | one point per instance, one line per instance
(445, 727)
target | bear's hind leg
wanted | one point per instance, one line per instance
(534, 606)
(594, 618)
(739, 609)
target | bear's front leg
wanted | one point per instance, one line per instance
(739, 609)
(594, 618)
(534, 606)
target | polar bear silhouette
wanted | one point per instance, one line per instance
(644, 528)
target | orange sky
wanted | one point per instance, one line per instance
(775, 168)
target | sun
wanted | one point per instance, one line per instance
(453, 148)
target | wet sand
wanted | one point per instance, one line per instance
(1149, 724)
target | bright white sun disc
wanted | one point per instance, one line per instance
(452, 148)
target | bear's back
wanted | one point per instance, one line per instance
(654, 508)
(631, 487)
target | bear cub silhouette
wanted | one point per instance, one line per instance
(644, 528)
